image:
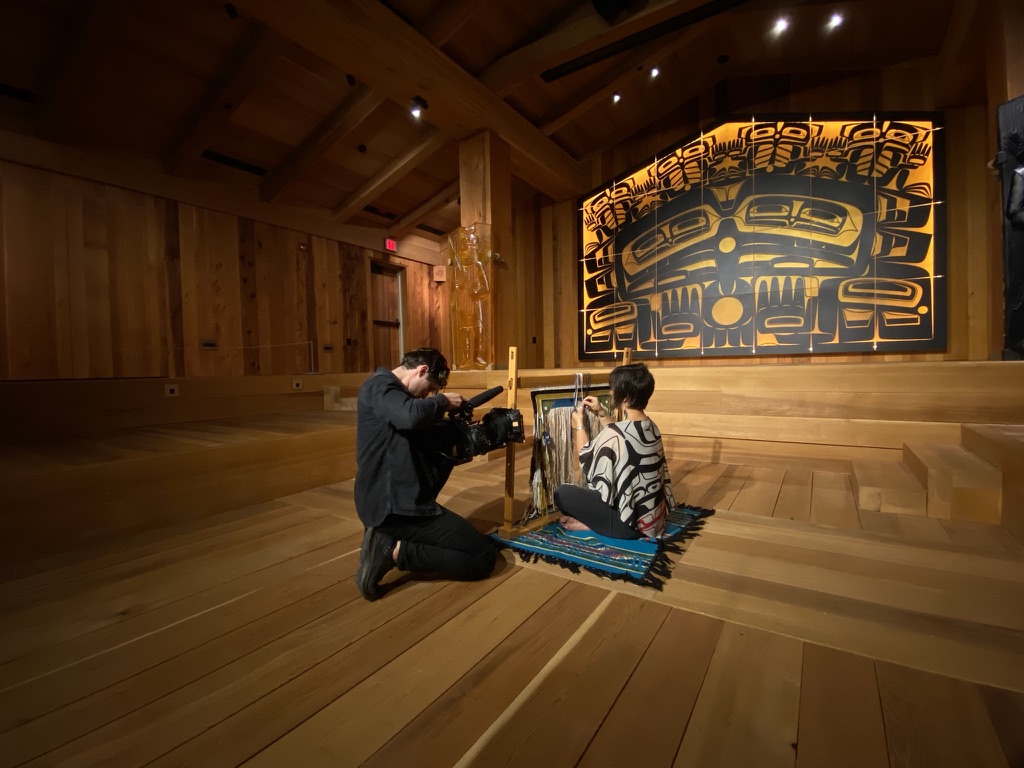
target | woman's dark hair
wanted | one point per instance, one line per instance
(437, 365)
(631, 384)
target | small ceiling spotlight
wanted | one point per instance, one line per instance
(655, 72)
(835, 21)
(418, 107)
(781, 25)
(616, 97)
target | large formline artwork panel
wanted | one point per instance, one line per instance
(771, 236)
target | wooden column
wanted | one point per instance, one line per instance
(485, 187)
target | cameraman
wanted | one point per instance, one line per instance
(401, 469)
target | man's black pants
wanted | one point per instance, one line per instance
(444, 544)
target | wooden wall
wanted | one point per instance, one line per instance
(101, 282)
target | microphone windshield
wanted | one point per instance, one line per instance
(483, 397)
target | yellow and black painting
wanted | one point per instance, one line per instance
(771, 237)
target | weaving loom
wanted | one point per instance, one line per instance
(554, 461)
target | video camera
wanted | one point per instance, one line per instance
(498, 427)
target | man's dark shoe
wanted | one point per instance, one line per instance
(374, 561)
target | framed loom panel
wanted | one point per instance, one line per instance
(553, 449)
(778, 235)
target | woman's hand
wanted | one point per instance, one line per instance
(593, 404)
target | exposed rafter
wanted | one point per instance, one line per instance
(359, 105)
(428, 144)
(581, 34)
(361, 102)
(249, 63)
(394, 59)
(636, 66)
(408, 222)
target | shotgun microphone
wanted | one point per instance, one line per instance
(481, 398)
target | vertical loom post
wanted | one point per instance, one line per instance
(510, 449)
(627, 358)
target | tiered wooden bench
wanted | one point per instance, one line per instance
(980, 480)
(887, 486)
(959, 484)
(63, 494)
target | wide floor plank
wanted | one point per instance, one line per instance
(748, 708)
(829, 735)
(557, 722)
(794, 630)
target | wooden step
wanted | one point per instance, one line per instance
(887, 486)
(1002, 446)
(78, 492)
(959, 484)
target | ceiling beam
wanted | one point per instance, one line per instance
(358, 106)
(637, 65)
(582, 33)
(429, 143)
(366, 38)
(247, 65)
(408, 222)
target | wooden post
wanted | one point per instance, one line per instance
(508, 529)
(627, 358)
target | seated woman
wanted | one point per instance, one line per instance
(628, 491)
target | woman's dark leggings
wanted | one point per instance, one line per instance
(444, 544)
(587, 506)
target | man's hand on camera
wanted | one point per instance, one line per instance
(455, 401)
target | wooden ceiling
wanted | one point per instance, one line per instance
(308, 100)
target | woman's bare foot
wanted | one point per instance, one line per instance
(572, 524)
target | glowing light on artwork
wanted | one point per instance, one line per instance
(781, 236)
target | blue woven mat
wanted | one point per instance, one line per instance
(640, 560)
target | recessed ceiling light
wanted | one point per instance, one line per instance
(835, 21)
(655, 72)
(418, 106)
(781, 25)
(616, 97)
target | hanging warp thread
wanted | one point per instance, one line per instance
(557, 461)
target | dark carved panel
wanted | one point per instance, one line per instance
(775, 237)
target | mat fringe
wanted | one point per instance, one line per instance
(660, 568)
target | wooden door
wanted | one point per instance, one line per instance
(386, 315)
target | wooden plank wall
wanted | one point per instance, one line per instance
(101, 282)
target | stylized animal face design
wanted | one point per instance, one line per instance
(764, 230)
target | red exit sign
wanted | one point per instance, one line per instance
(390, 244)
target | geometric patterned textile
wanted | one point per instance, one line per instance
(644, 561)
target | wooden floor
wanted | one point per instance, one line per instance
(795, 631)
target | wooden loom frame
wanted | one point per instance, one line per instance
(509, 529)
